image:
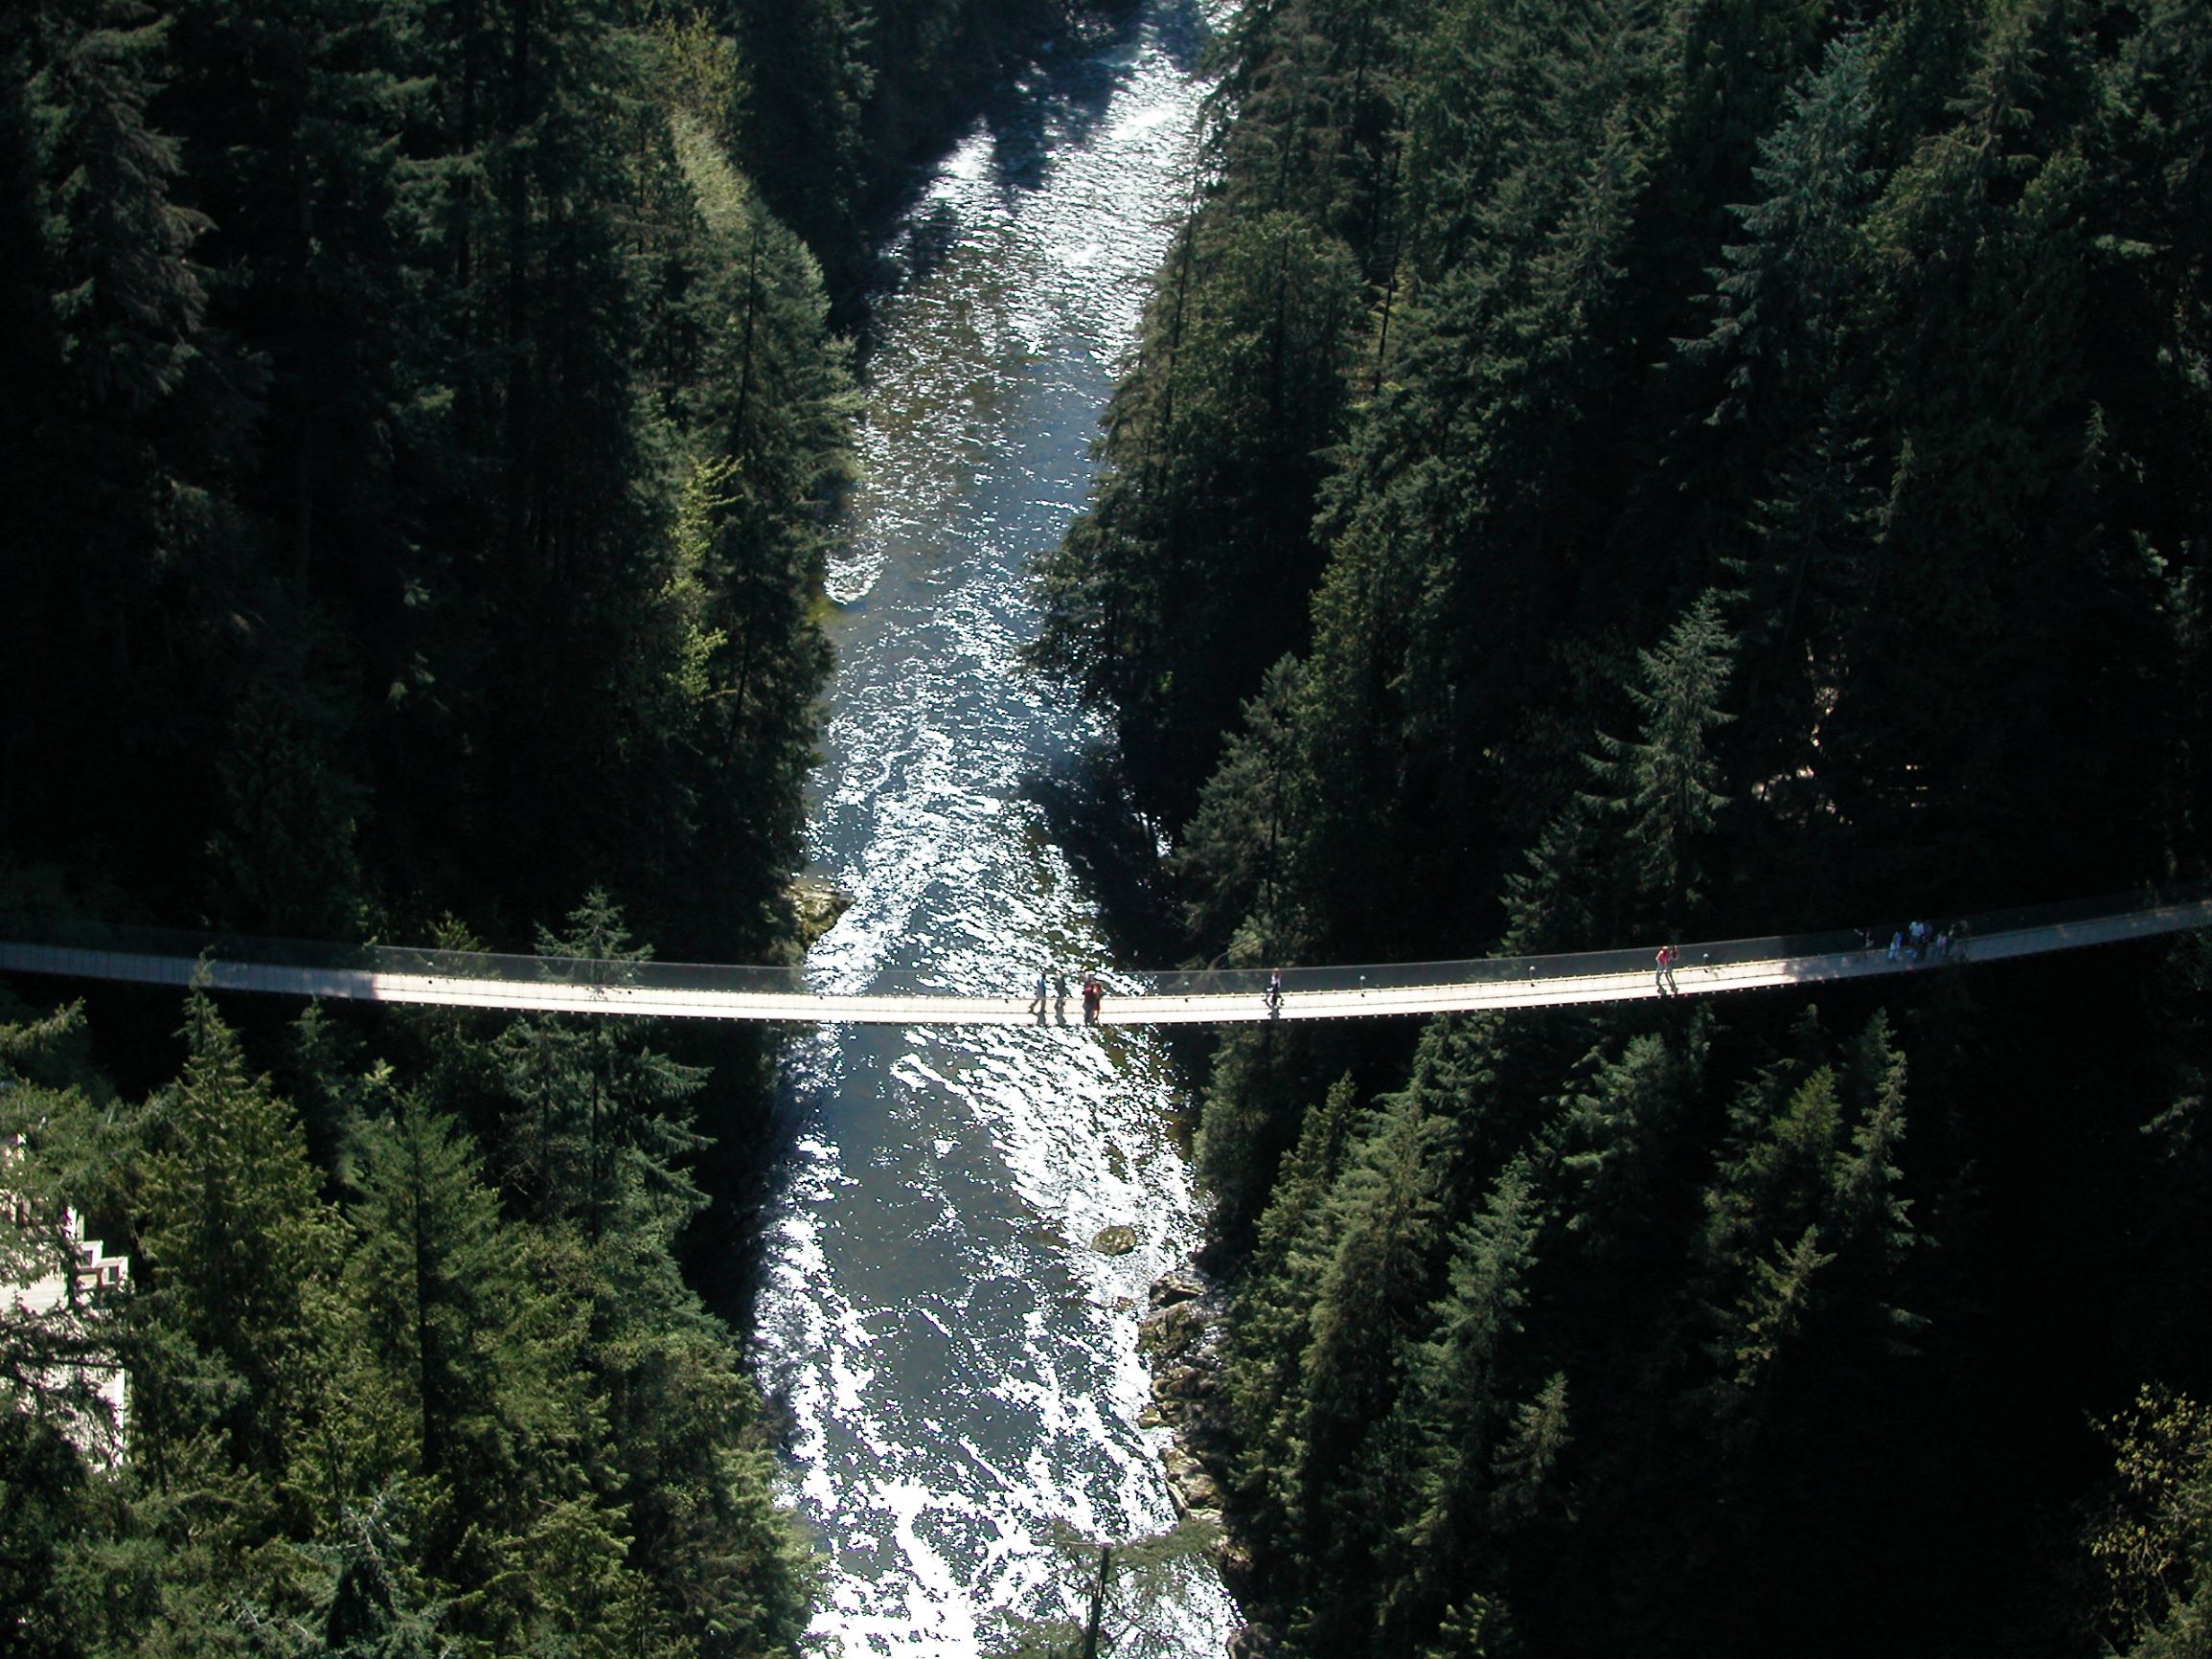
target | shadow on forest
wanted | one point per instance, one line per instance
(1072, 82)
(1114, 852)
(1055, 106)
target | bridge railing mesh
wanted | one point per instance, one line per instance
(415, 960)
(172, 944)
(1640, 958)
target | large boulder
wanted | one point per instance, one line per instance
(1194, 1491)
(1172, 1330)
(1174, 1287)
(1183, 1382)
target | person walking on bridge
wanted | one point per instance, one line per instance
(1093, 994)
(1663, 975)
(1059, 996)
(1275, 994)
(1036, 1002)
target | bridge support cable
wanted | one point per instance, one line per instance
(684, 991)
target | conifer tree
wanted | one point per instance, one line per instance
(234, 1242)
(1805, 1210)
(1186, 577)
(1663, 782)
(1840, 360)
(129, 297)
(598, 1129)
(437, 1281)
(42, 1481)
(809, 78)
(1783, 296)
(1349, 1460)
(1284, 1278)
(1237, 850)
(1628, 850)
(1616, 1135)
(57, 1162)
(1461, 1402)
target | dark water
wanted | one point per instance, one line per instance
(959, 1363)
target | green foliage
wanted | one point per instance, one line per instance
(1187, 574)
(837, 98)
(411, 506)
(1663, 782)
(1236, 852)
(2150, 1543)
(42, 1481)
(405, 1422)
(57, 1151)
(1628, 851)
(1784, 294)
(448, 1315)
(370, 348)
(238, 1242)
(1766, 492)
(285, 851)
(598, 1132)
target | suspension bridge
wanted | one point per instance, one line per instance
(559, 984)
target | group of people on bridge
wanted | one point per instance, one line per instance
(1918, 942)
(1052, 987)
(1049, 993)
(1921, 939)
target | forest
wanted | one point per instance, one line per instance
(424, 423)
(1636, 471)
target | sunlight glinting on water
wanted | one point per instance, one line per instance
(958, 1364)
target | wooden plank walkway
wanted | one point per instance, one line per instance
(1539, 990)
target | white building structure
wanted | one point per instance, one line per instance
(68, 1301)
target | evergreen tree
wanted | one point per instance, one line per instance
(1664, 782)
(1349, 1462)
(1627, 851)
(236, 1243)
(808, 81)
(1261, 1372)
(1784, 295)
(597, 1130)
(437, 1283)
(42, 1483)
(1468, 1422)
(1236, 854)
(1839, 358)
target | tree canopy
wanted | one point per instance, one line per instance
(1752, 477)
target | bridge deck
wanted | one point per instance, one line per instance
(1539, 990)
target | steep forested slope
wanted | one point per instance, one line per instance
(414, 466)
(411, 1368)
(1613, 472)
(413, 472)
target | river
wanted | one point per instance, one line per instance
(958, 1363)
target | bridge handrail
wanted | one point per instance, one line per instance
(429, 963)
(1638, 958)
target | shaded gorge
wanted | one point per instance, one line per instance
(959, 1365)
